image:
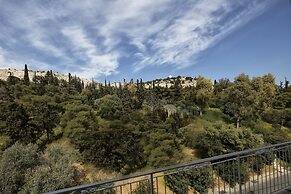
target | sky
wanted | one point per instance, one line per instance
(149, 39)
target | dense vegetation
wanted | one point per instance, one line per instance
(50, 129)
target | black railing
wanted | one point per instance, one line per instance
(261, 170)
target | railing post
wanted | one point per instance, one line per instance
(152, 183)
(239, 173)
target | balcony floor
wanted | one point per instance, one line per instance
(285, 191)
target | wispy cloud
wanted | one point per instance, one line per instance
(200, 27)
(97, 62)
(92, 37)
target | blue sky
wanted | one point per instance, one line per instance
(147, 38)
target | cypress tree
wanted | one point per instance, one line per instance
(26, 76)
(70, 78)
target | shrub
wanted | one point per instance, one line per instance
(143, 188)
(198, 179)
(17, 161)
(57, 171)
(222, 139)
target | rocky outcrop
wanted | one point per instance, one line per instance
(170, 82)
(167, 82)
(5, 73)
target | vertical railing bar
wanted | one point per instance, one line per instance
(277, 168)
(253, 175)
(257, 168)
(288, 164)
(138, 184)
(152, 183)
(233, 171)
(282, 171)
(274, 169)
(282, 175)
(223, 176)
(120, 189)
(266, 174)
(262, 171)
(239, 173)
(130, 187)
(270, 178)
(229, 175)
(278, 160)
(247, 172)
(157, 184)
(218, 177)
(284, 167)
(212, 172)
(165, 184)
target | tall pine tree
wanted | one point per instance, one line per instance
(26, 76)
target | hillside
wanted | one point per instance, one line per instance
(64, 131)
(170, 82)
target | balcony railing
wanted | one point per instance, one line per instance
(261, 170)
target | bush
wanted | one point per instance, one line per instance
(190, 134)
(57, 171)
(222, 139)
(162, 148)
(177, 182)
(117, 148)
(198, 179)
(143, 188)
(272, 133)
(17, 161)
(5, 142)
(229, 172)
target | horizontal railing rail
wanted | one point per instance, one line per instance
(259, 170)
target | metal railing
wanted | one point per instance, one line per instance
(261, 170)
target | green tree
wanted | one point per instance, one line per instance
(203, 93)
(140, 93)
(264, 88)
(116, 147)
(44, 113)
(80, 125)
(16, 123)
(281, 117)
(241, 100)
(223, 139)
(5, 93)
(109, 107)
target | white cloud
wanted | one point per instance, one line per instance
(90, 37)
(96, 62)
(197, 30)
(9, 60)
